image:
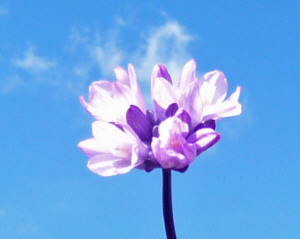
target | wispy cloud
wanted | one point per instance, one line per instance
(166, 44)
(92, 54)
(33, 63)
(4, 11)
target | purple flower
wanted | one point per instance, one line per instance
(213, 89)
(186, 94)
(181, 127)
(109, 101)
(176, 146)
(203, 100)
(113, 150)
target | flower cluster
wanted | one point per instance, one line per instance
(181, 126)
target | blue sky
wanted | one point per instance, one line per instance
(247, 186)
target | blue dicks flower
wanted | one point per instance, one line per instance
(177, 145)
(109, 101)
(181, 126)
(115, 148)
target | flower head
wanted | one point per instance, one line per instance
(182, 125)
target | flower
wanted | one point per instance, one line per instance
(182, 125)
(203, 99)
(113, 150)
(109, 101)
(213, 89)
(176, 146)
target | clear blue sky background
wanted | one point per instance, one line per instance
(248, 186)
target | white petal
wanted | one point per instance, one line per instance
(187, 75)
(113, 138)
(235, 95)
(190, 100)
(105, 165)
(136, 94)
(164, 93)
(92, 147)
(213, 87)
(122, 76)
(225, 109)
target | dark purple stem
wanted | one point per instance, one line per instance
(167, 204)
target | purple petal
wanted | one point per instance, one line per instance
(207, 124)
(139, 123)
(170, 148)
(171, 110)
(155, 131)
(184, 116)
(204, 139)
(160, 70)
(150, 116)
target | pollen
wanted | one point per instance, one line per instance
(174, 142)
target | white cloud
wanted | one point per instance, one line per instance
(4, 11)
(107, 57)
(91, 55)
(166, 44)
(33, 63)
(119, 20)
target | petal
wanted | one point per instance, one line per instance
(206, 124)
(225, 109)
(203, 139)
(172, 126)
(187, 75)
(163, 94)
(139, 123)
(168, 159)
(115, 140)
(184, 117)
(171, 110)
(92, 147)
(160, 71)
(101, 101)
(190, 100)
(213, 87)
(235, 95)
(122, 75)
(109, 165)
(172, 159)
(137, 97)
(132, 78)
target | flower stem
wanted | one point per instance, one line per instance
(167, 204)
